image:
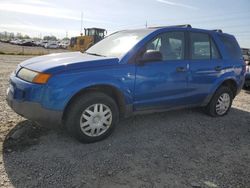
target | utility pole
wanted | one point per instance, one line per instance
(81, 23)
(146, 25)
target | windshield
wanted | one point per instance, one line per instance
(118, 44)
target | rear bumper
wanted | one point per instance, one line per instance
(34, 111)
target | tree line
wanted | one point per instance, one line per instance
(10, 35)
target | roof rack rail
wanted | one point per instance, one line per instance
(183, 26)
(217, 30)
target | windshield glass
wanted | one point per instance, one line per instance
(118, 44)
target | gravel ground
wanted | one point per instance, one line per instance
(183, 148)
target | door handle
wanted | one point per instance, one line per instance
(218, 68)
(181, 69)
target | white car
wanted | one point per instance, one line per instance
(64, 45)
(16, 41)
(52, 45)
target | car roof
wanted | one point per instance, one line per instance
(182, 27)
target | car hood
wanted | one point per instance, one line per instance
(70, 60)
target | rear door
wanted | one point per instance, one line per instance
(163, 84)
(205, 66)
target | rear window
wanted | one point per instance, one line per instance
(232, 47)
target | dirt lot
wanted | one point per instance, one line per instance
(184, 148)
(7, 48)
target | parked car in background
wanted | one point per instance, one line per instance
(38, 42)
(12, 41)
(28, 42)
(246, 54)
(16, 41)
(126, 73)
(5, 40)
(43, 43)
(52, 45)
(246, 57)
(247, 77)
(64, 44)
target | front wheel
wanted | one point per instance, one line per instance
(221, 102)
(92, 117)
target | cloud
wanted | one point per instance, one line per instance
(177, 4)
(34, 30)
(36, 2)
(23, 27)
(34, 8)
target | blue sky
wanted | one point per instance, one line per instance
(43, 17)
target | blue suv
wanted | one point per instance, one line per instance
(129, 72)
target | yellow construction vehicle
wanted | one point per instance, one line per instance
(92, 36)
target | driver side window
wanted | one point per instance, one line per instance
(155, 44)
(170, 45)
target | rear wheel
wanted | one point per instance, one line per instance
(92, 117)
(221, 102)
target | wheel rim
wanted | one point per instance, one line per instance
(223, 104)
(96, 120)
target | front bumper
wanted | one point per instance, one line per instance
(34, 111)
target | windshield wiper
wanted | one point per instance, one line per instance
(94, 54)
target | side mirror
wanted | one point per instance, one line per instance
(151, 55)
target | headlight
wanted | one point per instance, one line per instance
(33, 76)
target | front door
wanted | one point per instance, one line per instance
(163, 84)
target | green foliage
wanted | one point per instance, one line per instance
(49, 38)
(66, 38)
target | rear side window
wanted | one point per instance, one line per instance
(203, 47)
(232, 47)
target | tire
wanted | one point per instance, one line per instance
(223, 91)
(81, 116)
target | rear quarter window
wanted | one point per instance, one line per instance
(232, 47)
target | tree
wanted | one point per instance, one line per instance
(36, 38)
(19, 35)
(49, 38)
(26, 37)
(66, 38)
(12, 35)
